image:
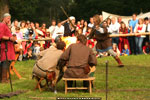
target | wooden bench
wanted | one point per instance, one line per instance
(90, 79)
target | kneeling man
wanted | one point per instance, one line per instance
(45, 67)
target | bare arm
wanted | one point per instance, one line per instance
(64, 21)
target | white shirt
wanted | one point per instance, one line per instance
(90, 25)
(148, 28)
(84, 30)
(58, 31)
(140, 31)
(114, 28)
(52, 29)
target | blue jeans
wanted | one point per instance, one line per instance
(139, 41)
(132, 44)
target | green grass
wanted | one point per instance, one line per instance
(129, 83)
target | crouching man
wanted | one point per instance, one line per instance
(78, 57)
(45, 67)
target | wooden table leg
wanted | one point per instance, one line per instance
(90, 87)
(18, 75)
(66, 87)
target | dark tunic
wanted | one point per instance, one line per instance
(67, 30)
(103, 40)
(78, 56)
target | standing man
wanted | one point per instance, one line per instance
(52, 27)
(114, 29)
(69, 28)
(6, 38)
(132, 25)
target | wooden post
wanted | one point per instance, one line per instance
(106, 80)
(66, 86)
(90, 87)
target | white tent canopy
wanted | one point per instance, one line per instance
(125, 19)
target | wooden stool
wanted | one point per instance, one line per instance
(12, 67)
(90, 79)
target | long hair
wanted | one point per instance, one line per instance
(123, 29)
(96, 19)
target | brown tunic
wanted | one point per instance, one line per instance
(78, 57)
(102, 38)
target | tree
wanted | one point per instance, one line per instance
(4, 8)
(46, 10)
(42, 11)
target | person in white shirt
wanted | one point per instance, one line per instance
(15, 25)
(59, 31)
(52, 27)
(114, 29)
(146, 22)
(139, 28)
(91, 22)
(85, 28)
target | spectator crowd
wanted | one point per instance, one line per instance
(123, 46)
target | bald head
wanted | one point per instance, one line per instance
(7, 18)
(6, 15)
(113, 20)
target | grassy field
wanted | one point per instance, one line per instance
(129, 83)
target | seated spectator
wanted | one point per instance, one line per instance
(79, 32)
(125, 51)
(79, 58)
(36, 48)
(47, 42)
(18, 34)
(30, 34)
(29, 55)
(146, 48)
(90, 42)
(115, 48)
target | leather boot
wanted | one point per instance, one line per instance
(120, 64)
(4, 75)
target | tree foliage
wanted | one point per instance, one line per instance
(46, 10)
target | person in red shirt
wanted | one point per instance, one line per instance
(6, 36)
(146, 48)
